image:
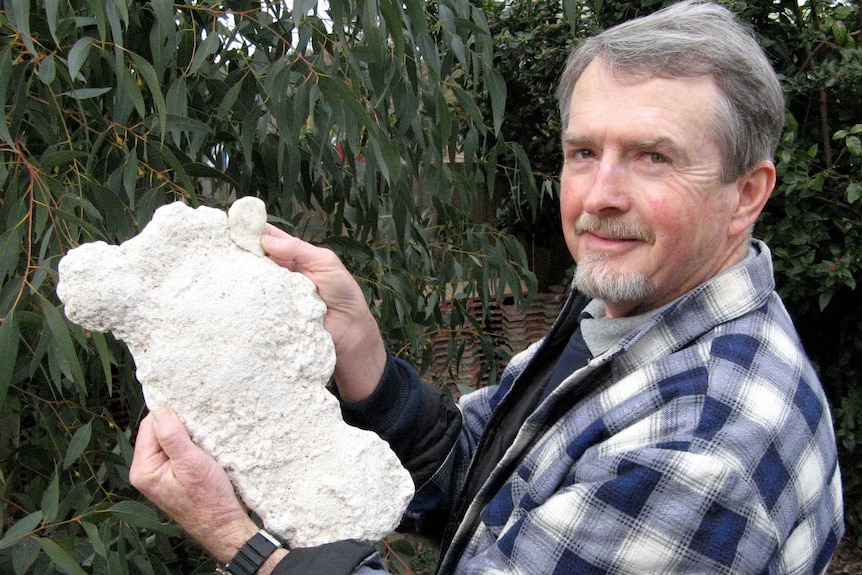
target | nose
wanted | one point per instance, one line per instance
(607, 191)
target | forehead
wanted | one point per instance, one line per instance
(652, 107)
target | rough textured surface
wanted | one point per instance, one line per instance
(246, 219)
(236, 346)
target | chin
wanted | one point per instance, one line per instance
(595, 279)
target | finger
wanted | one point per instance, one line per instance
(271, 230)
(148, 456)
(299, 256)
(278, 248)
(172, 435)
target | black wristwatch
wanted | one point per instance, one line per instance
(252, 555)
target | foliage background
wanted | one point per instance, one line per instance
(379, 128)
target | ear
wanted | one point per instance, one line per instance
(754, 189)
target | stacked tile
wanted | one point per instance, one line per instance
(505, 324)
(463, 372)
(524, 326)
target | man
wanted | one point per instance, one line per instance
(669, 422)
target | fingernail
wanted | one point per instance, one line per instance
(162, 413)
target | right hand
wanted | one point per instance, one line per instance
(359, 349)
(191, 487)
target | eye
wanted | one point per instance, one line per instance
(656, 158)
(580, 154)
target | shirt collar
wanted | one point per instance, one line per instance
(601, 333)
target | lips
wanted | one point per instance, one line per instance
(609, 237)
(603, 244)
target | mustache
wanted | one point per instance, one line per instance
(613, 227)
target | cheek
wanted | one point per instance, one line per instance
(671, 220)
(570, 204)
(683, 233)
(570, 210)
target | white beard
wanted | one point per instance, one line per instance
(594, 278)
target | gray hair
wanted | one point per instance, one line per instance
(695, 39)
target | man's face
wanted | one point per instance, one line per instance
(644, 212)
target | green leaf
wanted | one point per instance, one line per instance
(403, 547)
(5, 74)
(78, 501)
(200, 170)
(62, 346)
(87, 93)
(47, 69)
(825, 298)
(391, 12)
(60, 158)
(854, 192)
(248, 133)
(205, 49)
(51, 498)
(140, 516)
(61, 558)
(388, 157)
(95, 539)
(106, 358)
(127, 96)
(78, 444)
(124, 446)
(165, 13)
(145, 69)
(177, 100)
(229, 99)
(23, 528)
(10, 244)
(457, 46)
(52, 14)
(301, 8)
(335, 91)
(346, 246)
(9, 341)
(468, 104)
(179, 168)
(854, 145)
(497, 91)
(24, 554)
(188, 124)
(130, 173)
(18, 13)
(418, 18)
(78, 56)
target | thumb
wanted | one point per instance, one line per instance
(171, 434)
(283, 249)
(300, 256)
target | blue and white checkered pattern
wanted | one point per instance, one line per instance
(704, 445)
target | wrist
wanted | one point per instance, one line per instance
(274, 559)
(360, 363)
(257, 556)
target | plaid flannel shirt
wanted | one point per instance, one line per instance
(701, 443)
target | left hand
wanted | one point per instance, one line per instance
(189, 485)
(359, 349)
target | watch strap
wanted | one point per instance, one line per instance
(253, 554)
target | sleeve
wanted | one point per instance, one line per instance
(433, 437)
(338, 558)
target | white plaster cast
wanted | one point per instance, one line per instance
(246, 219)
(235, 345)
